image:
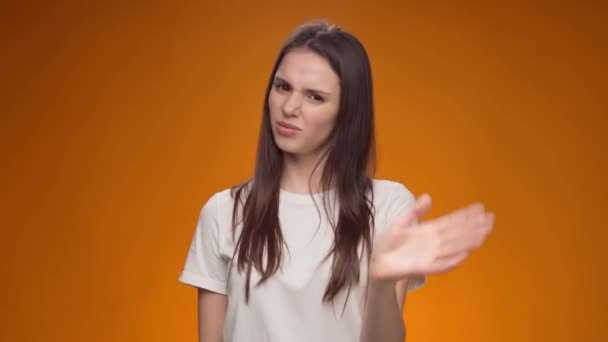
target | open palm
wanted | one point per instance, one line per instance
(407, 249)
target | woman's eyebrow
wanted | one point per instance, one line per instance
(280, 79)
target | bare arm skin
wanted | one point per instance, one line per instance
(211, 312)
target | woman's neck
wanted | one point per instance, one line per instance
(297, 171)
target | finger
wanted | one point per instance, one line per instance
(461, 214)
(465, 244)
(491, 220)
(423, 205)
(470, 236)
(420, 208)
(477, 226)
(457, 228)
(448, 263)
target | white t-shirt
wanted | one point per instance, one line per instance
(288, 306)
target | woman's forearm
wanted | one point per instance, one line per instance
(382, 318)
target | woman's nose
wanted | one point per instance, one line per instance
(292, 105)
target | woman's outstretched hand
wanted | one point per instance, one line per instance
(436, 246)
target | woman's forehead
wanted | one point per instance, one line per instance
(307, 69)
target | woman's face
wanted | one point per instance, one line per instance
(303, 102)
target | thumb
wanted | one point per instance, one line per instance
(423, 205)
(420, 208)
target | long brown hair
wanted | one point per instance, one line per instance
(349, 168)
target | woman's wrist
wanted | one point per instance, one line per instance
(378, 277)
(381, 274)
(381, 284)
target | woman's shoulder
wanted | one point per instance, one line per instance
(384, 191)
(386, 188)
(226, 197)
(218, 208)
(391, 199)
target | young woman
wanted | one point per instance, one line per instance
(313, 248)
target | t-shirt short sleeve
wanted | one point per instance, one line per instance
(400, 201)
(205, 267)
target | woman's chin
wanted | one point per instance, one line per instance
(287, 146)
(289, 149)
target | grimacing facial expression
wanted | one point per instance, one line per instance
(303, 102)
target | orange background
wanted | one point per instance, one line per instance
(120, 119)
